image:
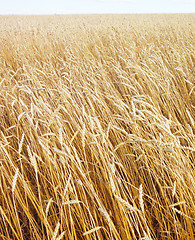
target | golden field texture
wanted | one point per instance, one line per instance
(97, 127)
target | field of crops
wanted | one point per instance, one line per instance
(97, 127)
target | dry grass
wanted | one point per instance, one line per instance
(97, 133)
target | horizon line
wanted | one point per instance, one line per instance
(50, 14)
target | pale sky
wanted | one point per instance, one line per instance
(95, 6)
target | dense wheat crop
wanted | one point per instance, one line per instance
(97, 127)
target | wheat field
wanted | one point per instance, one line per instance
(97, 127)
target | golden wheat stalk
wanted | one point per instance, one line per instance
(15, 180)
(21, 143)
(141, 201)
(56, 231)
(91, 231)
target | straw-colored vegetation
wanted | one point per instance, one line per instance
(97, 127)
